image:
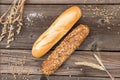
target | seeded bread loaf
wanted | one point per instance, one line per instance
(65, 49)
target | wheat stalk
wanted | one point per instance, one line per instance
(89, 64)
(96, 66)
(100, 62)
(12, 21)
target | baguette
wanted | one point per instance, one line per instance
(64, 50)
(56, 31)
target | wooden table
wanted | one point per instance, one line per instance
(103, 18)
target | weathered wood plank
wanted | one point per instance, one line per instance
(22, 62)
(66, 1)
(104, 23)
(39, 77)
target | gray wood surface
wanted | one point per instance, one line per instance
(39, 77)
(103, 18)
(104, 23)
(65, 1)
(22, 62)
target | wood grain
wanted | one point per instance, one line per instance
(104, 23)
(22, 62)
(65, 1)
(101, 16)
(39, 77)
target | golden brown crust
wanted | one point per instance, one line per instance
(65, 49)
(56, 31)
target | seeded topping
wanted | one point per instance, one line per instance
(65, 49)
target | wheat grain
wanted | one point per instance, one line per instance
(4, 32)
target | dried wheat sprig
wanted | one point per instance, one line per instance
(19, 27)
(4, 31)
(89, 64)
(10, 35)
(100, 62)
(12, 20)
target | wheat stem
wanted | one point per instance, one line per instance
(100, 62)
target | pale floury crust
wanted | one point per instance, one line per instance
(56, 31)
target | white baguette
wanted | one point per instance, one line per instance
(56, 31)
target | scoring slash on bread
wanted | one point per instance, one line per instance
(65, 49)
(56, 31)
